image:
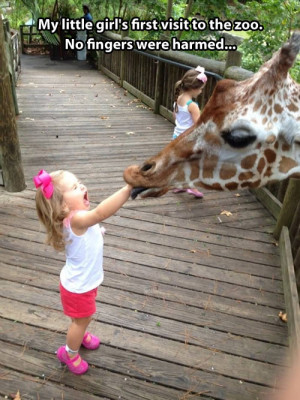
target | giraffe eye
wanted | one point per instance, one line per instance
(147, 167)
(239, 138)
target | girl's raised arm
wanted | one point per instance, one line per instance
(84, 219)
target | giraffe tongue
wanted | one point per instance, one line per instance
(136, 191)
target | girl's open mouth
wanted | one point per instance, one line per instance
(86, 199)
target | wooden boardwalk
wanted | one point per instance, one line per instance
(190, 301)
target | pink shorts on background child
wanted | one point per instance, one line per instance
(78, 305)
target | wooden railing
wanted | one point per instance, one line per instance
(283, 201)
(152, 77)
(28, 33)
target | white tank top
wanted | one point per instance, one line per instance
(83, 270)
(183, 120)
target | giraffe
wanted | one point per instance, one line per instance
(248, 134)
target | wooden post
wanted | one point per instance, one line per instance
(234, 59)
(13, 175)
(290, 289)
(22, 39)
(159, 86)
(297, 268)
(122, 61)
(289, 206)
(282, 189)
(295, 223)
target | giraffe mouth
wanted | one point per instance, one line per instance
(147, 192)
(136, 191)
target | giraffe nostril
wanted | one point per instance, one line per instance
(147, 167)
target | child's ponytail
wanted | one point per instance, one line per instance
(178, 89)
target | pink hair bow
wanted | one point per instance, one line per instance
(44, 181)
(202, 77)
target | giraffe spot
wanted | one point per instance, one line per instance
(216, 186)
(261, 165)
(270, 155)
(268, 172)
(285, 147)
(231, 185)
(257, 105)
(292, 107)
(278, 109)
(255, 184)
(264, 121)
(251, 184)
(270, 101)
(248, 162)
(272, 92)
(244, 176)
(258, 146)
(286, 164)
(227, 171)
(194, 170)
(205, 186)
(275, 119)
(270, 112)
(209, 164)
(263, 110)
(276, 145)
(212, 139)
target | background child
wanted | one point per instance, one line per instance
(63, 207)
(186, 110)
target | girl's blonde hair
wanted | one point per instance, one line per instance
(189, 81)
(51, 212)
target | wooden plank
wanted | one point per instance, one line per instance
(136, 300)
(124, 362)
(168, 328)
(154, 346)
(272, 204)
(290, 289)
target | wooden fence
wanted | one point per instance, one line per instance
(151, 76)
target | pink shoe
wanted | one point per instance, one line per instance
(63, 357)
(195, 193)
(93, 344)
(179, 190)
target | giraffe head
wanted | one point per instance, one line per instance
(248, 134)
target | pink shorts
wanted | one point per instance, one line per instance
(78, 305)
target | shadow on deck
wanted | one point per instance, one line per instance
(190, 301)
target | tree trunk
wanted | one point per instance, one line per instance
(186, 14)
(169, 8)
(13, 175)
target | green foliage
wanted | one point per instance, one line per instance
(279, 19)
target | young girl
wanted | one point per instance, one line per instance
(186, 111)
(63, 207)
